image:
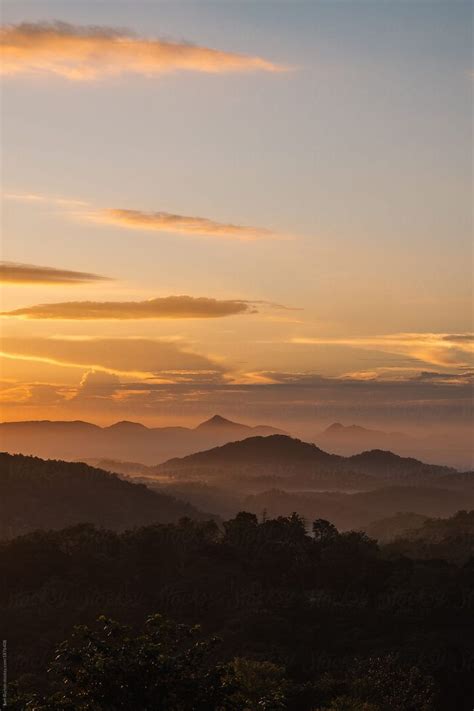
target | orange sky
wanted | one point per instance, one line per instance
(226, 220)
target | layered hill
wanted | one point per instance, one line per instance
(128, 441)
(452, 446)
(292, 463)
(360, 510)
(35, 493)
(351, 439)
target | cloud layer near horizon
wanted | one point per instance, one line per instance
(144, 357)
(182, 224)
(168, 307)
(16, 273)
(441, 349)
(82, 53)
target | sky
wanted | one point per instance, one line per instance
(257, 208)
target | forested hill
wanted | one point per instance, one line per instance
(278, 453)
(275, 449)
(50, 494)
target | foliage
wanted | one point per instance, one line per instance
(326, 620)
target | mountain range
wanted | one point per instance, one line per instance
(453, 447)
(350, 439)
(284, 461)
(129, 441)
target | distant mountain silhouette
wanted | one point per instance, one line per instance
(221, 424)
(274, 448)
(128, 441)
(338, 429)
(350, 439)
(292, 462)
(35, 493)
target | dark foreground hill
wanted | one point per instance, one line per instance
(288, 462)
(35, 493)
(128, 441)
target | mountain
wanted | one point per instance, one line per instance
(387, 465)
(218, 424)
(357, 431)
(289, 462)
(350, 439)
(278, 449)
(128, 441)
(35, 493)
(451, 446)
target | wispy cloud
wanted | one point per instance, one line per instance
(180, 224)
(42, 394)
(16, 273)
(82, 53)
(439, 349)
(46, 199)
(157, 221)
(168, 307)
(132, 357)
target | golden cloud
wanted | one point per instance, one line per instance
(41, 394)
(167, 307)
(181, 224)
(98, 384)
(152, 221)
(15, 273)
(136, 357)
(439, 349)
(85, 53)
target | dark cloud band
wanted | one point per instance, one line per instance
(15, 273)
(169, 307)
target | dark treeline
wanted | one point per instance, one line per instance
(305, 620)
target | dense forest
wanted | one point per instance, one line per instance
(290, 618)
(35, 493)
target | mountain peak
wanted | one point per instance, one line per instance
(126, 425)
(217, 421)
(335, 427)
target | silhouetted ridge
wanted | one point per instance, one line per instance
(293, 460)
(126, 425)
(338, 428)
(380, 462)
(218, 421)
(127, 441)
(37, 493)
(278, 448)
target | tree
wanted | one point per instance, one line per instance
(168, 667)
(324, 532)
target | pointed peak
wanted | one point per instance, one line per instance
(217, 421)
(336, 426)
